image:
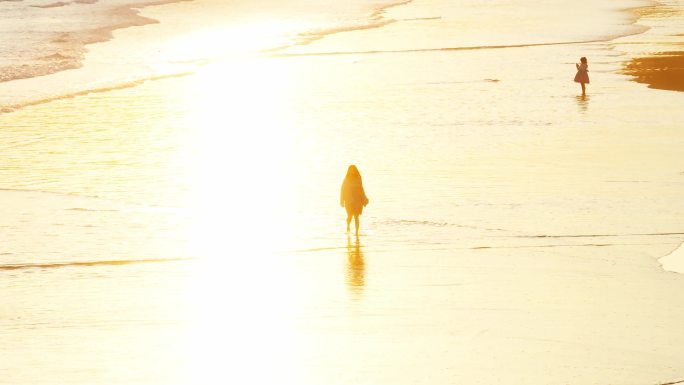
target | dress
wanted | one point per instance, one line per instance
(582, 75)
(352, 196)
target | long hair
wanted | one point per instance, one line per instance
(353, 173)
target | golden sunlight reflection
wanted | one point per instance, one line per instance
(239, 156)
(356, 268)
(240, 169)
(242, 38)
(243, 321)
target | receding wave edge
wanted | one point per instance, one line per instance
(55, 265)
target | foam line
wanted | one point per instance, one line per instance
(130, 84)
(673, 261)
(673, 383)
(128, 16)
(593, 235)
(444, 49)
(87, 263)
(51, 5)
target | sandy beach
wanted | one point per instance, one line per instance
(182, 226)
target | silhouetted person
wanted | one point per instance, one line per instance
(352, 196)
(582, 76)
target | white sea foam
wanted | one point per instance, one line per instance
(40, 38)
(674, 261)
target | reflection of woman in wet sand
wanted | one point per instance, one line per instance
(582, 76)
(356, 267)
(352, 196)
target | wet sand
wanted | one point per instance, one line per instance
(664, 71)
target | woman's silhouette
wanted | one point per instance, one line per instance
(582, 76)
(353, 197)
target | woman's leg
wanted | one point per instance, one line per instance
(348, 221)
(356, 223)
(584, 90)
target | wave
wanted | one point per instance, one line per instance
(62, 3)
(71, 52)
(488, 247)
(128, 84)
(56, 56)
(411, 222)
(376, 20)
(444, 49)
(56, 193)
(673, 261)
(68, 47)
(417, 222)
(83, 209)
(597, 235)
(52, 5)
(558, 246)
(673, 382)
(78, 202)
(308, 37)
(422, 18)
(56, 265)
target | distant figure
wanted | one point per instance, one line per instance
(582, 76)
(352, 196)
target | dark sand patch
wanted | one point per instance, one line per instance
(664, 71)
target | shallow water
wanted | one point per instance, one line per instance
(187, 230)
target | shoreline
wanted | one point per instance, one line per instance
(100, 44)
(136, 12)
(91, 70)
(76, 43)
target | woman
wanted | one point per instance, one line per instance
(352, 196)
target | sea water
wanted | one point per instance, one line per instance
(41, 38)
(171, 197)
